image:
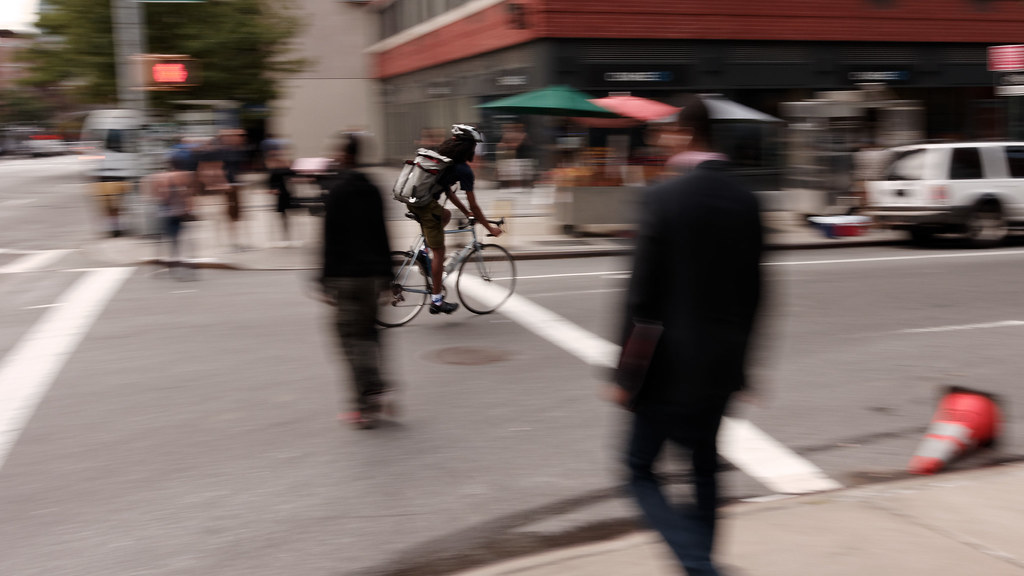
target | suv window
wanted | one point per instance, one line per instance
(1015, 160)
(909, 165)
(120, 140)
(965, 165)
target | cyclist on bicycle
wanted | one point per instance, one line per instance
(433, 217)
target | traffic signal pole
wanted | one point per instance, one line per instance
(129, 24)
(129, 35)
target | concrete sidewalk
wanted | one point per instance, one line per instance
(953, 524)
(532, 231)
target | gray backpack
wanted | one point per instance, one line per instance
(419, 181)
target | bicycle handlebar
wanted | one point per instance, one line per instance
(470, 221)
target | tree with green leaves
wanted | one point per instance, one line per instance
(24, 105)
(241, 45)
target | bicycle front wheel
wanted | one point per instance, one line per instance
(487, 277)
(404, 296)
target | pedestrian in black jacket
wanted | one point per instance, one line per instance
(356, 268)
(697, 275)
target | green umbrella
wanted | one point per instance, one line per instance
(551, 101)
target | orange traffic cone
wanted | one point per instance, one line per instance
(964, 420)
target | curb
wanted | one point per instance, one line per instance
(816, 245)
(562, 555)
(218, 264)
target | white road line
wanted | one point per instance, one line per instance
(1003, 324)
(572, 292)
(773, 464)
(622, 274)
(617, 274)
(40, 306)
(33, 262)
(586, 346)
(16, 202)
(29, 369)
(742, 443)
(975, 254)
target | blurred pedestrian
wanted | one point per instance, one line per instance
(515, 162)
(232, 154)
(279, 174)
(272, 144)
(219, 162)
(691, 307)
(356, 268)
(185, 154)
(173, 191)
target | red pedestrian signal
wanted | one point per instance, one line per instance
(170, 73)
(164, 72)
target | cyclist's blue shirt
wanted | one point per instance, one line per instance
(462, 174)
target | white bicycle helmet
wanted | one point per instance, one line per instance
(465, 131)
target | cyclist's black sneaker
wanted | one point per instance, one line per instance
(443, 308)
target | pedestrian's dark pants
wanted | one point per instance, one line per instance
(172, 232)
(688, 529)
(355, 325)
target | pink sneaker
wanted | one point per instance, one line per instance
(360, 420)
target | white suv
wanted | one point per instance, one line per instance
(972, 188)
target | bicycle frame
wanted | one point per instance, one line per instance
(418, 245)
(413, 268)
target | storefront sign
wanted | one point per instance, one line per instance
(1010, 84)
(1006, 58)
(660, 76)
(635, 77)
(511, 80)
(879, 76)
(439, 90)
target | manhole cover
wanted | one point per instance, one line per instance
(469, 355)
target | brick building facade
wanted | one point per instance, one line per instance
(760, 53)
(10, 69)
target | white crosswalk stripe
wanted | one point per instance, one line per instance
(34, 261)
(29, 369)
(741, 442)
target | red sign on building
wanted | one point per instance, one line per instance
(1006, 58)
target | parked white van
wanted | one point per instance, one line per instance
(974, 188)
(121, 148)
(120, 145)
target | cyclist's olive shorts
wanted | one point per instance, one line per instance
(431, 219)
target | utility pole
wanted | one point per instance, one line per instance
(129, 22)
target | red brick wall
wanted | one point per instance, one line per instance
(996, 21)
(482, 32)
(990, 21)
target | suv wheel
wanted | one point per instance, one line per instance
(986, 226)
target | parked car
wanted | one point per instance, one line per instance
(46, 145)
(972, 188)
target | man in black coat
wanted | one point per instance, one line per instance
(356, 268)
(696, 275)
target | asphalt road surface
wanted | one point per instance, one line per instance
(149, 426)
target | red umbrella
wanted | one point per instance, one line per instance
(643, 109)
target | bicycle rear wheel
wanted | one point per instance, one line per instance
(487, 277)
(404, 296)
